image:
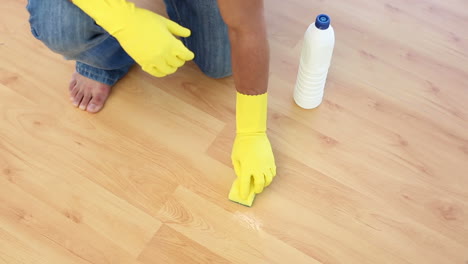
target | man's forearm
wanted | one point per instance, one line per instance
(249, 45)
(250, 59)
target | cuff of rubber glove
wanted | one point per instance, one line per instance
(111, 15)
(251, 113)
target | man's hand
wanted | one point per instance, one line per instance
(253, 161)
(147, 37)
(252, 156)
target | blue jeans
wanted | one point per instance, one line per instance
(67, 30)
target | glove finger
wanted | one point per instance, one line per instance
(183, 52)
(177, 29)
(186, 55)
(273, 171)
(165, 68)
(174, 61)
(153, 71)
(237, 167)
(268, 177)
(259, 182)
(244, 185)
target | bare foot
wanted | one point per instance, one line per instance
(87, 94)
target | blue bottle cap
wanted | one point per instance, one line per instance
(322, 22)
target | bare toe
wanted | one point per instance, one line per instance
(78, 97)
(96, 103)
(73, 93)
(72, 84)
(85, 101)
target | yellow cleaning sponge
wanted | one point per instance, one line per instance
(234, 194)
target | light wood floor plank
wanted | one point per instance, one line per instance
(169, 246)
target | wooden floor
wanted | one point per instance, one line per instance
(377, 174)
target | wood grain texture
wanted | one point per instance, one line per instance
(377, 174)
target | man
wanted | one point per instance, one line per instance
(106, 37)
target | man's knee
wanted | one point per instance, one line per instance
(219, 73)
(216, 64)
(62, 26)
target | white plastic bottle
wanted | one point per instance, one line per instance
(317, 51)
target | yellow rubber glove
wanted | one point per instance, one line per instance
(252, 156)
(147, 37)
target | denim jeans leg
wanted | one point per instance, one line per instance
(67, 30)
(209, 40)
